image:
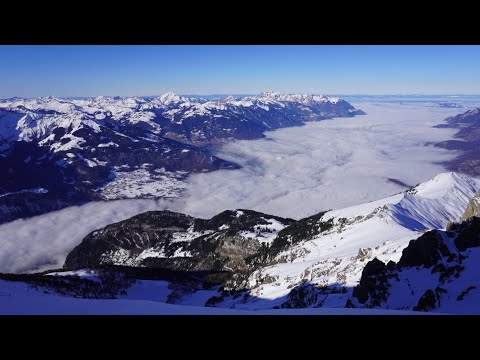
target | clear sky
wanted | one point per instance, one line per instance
(29, 71)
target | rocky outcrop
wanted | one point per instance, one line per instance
(368, 285)
(469, 234)
(427, 302)
(426, 251)
(426, 273)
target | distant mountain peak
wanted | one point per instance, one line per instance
(169, 97)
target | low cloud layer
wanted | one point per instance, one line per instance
(335, 163)
(294, 172)
(43, 242)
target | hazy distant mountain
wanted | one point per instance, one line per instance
(468, 125)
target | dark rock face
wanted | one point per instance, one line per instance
(427, 302)
(309, 295)
(469, 235)
(135, 234)
(471, 117)
(368, 282)
(426, 251)
(301, 297)
(175, 241)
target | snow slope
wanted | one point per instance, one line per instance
(17, 298)
(379, 229)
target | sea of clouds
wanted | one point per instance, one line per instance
(293, 172)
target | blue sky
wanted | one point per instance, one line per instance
(30, 71)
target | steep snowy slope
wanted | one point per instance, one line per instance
(382, 229)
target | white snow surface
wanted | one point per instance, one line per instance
(264, 233)
(17, 298)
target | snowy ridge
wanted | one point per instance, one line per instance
(432, 204)
(271, 96)
(379, 229)
(36, 118)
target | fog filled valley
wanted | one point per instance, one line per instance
(318, 214)
(331, 164)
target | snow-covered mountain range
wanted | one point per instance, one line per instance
(59, 152)
(416, 250)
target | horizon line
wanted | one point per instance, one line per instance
(227, 94)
